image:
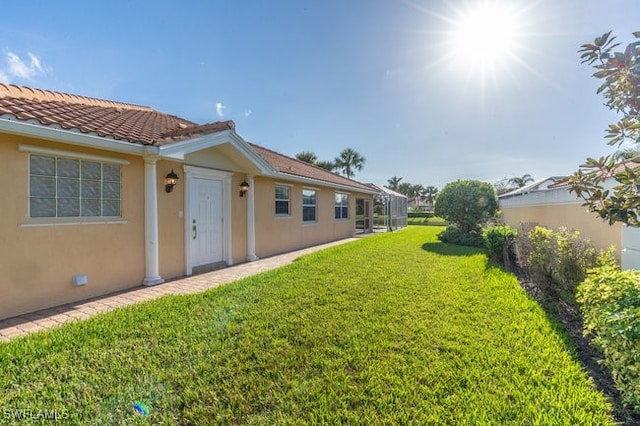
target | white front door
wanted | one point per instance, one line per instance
(205, 222)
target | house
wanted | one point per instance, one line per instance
(100, 196)
(549, 203)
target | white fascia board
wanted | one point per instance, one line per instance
(178, 150)
(22, 128)
(541, 198)
(305, 180)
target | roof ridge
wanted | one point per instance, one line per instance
(24, 92)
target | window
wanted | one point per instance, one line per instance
(64, 187)
(282, 201)
(308, 205)
(342, 206)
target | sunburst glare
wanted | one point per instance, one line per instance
(484, 41)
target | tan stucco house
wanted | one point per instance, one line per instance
(89, 207)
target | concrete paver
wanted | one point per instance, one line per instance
(56, 316)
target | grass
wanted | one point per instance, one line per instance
(396, 328)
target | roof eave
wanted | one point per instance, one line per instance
(179, 150)
(319, 182)
(27, 129)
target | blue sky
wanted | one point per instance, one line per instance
(379, 76)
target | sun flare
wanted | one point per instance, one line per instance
(484, 38)
(485, 34)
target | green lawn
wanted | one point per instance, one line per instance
(395, 328)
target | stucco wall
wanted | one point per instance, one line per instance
(171, 221)
(277, 234)
(570, 215)
(39, 257)
(37, 262)
(239, 220)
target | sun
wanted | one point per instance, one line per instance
(484, 38)
(485, 34)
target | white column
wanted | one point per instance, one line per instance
(251, 222)
(151, 256)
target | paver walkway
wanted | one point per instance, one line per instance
(53, 317)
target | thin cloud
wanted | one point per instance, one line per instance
(247, 113)
(18, 68)
(220, 109)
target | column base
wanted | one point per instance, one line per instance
(252, 258)
(151, 281)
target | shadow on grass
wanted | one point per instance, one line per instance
(447, 249)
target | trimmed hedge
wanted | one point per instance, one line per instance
(610, 302)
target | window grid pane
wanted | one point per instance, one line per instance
(282, 201)
(342, 206)
(282, 207)
(309, 205)
(63, 187)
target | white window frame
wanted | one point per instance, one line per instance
(344, 198)
(288, 200)
(314, 205)
(80, 157)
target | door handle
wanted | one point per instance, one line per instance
(194, 230)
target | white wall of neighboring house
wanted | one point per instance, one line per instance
(557, 207)
(630, 258)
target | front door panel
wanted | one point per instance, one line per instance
(206, 222)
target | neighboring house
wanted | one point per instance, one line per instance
(102, 196)
(549, 203)
(417, 204)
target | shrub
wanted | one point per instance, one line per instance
(499, 241)
(424, 215)
(467, 204)
(539, 253)
(454, 235)
(559, 258)
(610, 302)
(574, 256)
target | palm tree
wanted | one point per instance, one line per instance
(416, 192)
(348, 161)
(430, 195)
(521, 181)
(405, 188)
(326, 164)
(393, 182)
(307, 157)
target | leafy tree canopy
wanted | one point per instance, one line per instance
(610, 187)
(312, 158)
(393, 182)
(307, 157)
(521, 181)
(467, 203)
(349, 161)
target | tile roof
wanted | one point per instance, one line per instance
(117, 120)
(189, 132)
(295, 167)
(135, 124)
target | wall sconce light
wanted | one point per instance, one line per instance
(170, 181)
(244, 187)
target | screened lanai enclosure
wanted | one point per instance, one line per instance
(389, 210)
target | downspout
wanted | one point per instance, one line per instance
(151, 253)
